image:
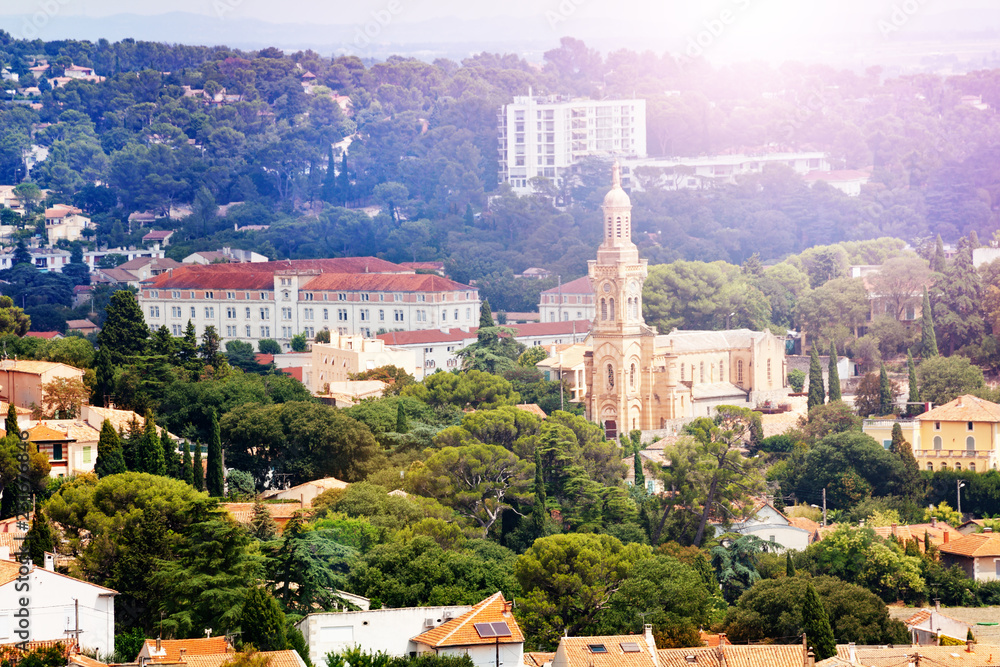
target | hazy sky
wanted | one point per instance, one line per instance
(725, 29)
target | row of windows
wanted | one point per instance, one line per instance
(306, 296)
(970, 443)
(969, 426)
(365, 314)
(232, 331)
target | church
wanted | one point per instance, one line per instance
(639, 379)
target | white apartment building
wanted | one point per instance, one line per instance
(572, 301)
(278, 300)
(437, 348)
(711, 170)
(54, 259)
(545, 136)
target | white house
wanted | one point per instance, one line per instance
(772, 526)
(483, 632)
(55, 606)
(926, 627)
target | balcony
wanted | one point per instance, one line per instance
(951, 453)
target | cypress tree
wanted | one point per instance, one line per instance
(187, 472)
(215, 482)
(909, 483)
(345, 180)
(834, 375)
(262, 623)
(262, 525)
(816, 625)
(329, 188)
(914, 396)
(170, 458)
(789, 565)
(470, 217)
(150, 450)
(131, 446)
(485, 315)
(197, 469)
(125, 331)
(11, 425)
(817, 393)
(928, 340)
(110, 460)
(401, 425)
(640, 475)
(104, 374)
(886, 401)
(41, 537)
(538, 511)
(938, 261)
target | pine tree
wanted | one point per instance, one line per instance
(401, 425)
(109, 452)
(187, 347)
(912, 409)
(104, 374)
(197, 469)
(817, 392)
(171, 461)
(973, 240)
(262, 525)
(215, 482)
(131, 443)
(816, 625)
(21, 254)
(886, 401)
(640, 475)
(485, 315)
(938, 261)
(187, 472)
(928, 340)
(11, 425)
(150, 450)
(834, 375)
(125, 331)
(262, 623)
(909, 483)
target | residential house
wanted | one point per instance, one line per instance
(772, 526)
(607, 651)
(651, 460)
(732, 655)
(712, 170)
(488, 634)
(158, 236)
(56, 602)
(963, 434)
(175, 650)
(21, 381)
(351, 392)
(225, 256)
(306, 492)
(44, 335)
(972, 526)
(64, 222)
(848, 181)
(286, 658)
(141, 218)
(928, 626)
(566, 363)
(83, 326)
(572, 301)
(334, 362)
(978, 554)
(437, 348)
(850, 655)
(144, 268)
(281, 513)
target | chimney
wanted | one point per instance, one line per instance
(894, 529)
(947, 535)
(852, 654)
(968, 646)
(159, 644)
(650, 640)
(937, 605)
(183, 653)
(933, 522)
(959, 403)
(50, 562)
(987, 529)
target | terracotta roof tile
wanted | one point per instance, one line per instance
(967, 408)
(461, 631)
(35, 367)
(533, 408)
(880, 656)
(47, 335)
(772, 655)
(578, 286)
(8, 571)
(260, 275)
(975, 545)
(171, 648)
(537, 659)
(14, 652)
(43, 433)
(274, 659)
(577, 651)
(918, 617)
(13, 541)
(405, 282)
(243, 512)
(85, 661)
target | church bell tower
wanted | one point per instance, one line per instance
(616, 380)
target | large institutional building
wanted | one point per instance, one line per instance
(638, 379)
(277, 300)
(545, 136)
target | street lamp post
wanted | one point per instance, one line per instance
(958, 491)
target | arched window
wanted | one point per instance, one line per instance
(609, 227)
(938, 443)
(701, 371)
(930, 466)
(972, 467)
(628, 309)
(958, 466)
(970, 444)
(739, 372)
(611, 377)
(769, 372)
(631, 376)
(618, 226)
(604, 309)
(611, 308)
(722, 371)
(682, 372)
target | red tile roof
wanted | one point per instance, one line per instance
(286, 658)
(977, 545)
(538, 659)
(462, 631)
(172, 648)
(413, 282)
(260, 275)
(43, 334)
(296, 372)
(578, 286)
(577, 651)
(158, 235)
(967, 408)
(773, 655)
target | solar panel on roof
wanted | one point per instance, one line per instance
(597, 648)
(485, 630)
(501, 629)
(630, 647)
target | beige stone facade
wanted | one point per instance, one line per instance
(333, 362)
(638, 379)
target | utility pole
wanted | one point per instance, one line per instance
(824, 507)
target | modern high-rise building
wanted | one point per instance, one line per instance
(546, 136)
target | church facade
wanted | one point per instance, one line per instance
(639, 379)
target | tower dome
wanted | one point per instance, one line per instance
(616, 197)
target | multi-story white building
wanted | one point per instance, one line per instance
(711, 170)
(545, 136)
(437, 348)
(54, 259)
(572, 301)
(278, 300)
